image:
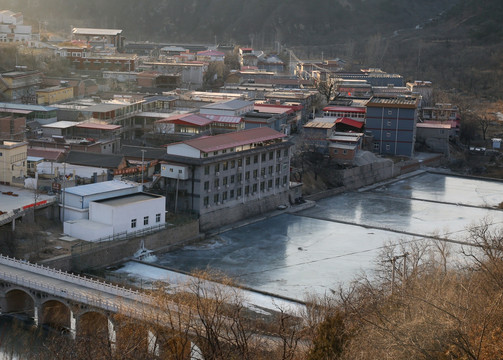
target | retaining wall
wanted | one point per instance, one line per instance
(105, 254)
(239, 212)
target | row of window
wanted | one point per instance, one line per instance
(229, 195)
(239, 177)
(225, 165)
(353, 115)
(146, 220)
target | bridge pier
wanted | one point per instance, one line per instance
(73, 325)
(36, 312)
(112, 335)
(153, 345)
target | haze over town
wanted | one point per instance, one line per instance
(250, 180)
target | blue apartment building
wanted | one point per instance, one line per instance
(392, 122)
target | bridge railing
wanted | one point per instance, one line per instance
(75, 279)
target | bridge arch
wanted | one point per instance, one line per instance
(19, 301)
(57, 315)
(92, 324)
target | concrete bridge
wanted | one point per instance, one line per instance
(72, 303)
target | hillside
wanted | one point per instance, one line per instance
(294, 22)
(454, 43)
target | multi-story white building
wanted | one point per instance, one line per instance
(12, 28)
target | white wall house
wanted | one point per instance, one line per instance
(12, 28)
(119, 215)
(75, 200)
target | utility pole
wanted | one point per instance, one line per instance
(64, 187)
(142, 166)
(393, 270)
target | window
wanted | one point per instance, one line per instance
(286, 153)
(390, 112)
(205, 155)
(217, 168)
(276, 182)
(388, 134)
(233, 164)
(389, 122)
(157, 218)
(216, 183)
(240, 162)
(255, 173)
(240, 177)
(262, 186)
(335, 151)
(270, 170)
(225, 166)
(238, 192)
(247, 160)
(388, 147)
(224, 196)
(145, 220)
(269, 184)
(216, 198)
(263, 157)
(284, 180)
(278, 154)
(278, 167)
(262, 172)
(206, 201)
(224, 181)
(255, 159)
(254, 188)
(247, 175)
(224, 151)
(247, 189)
(207, 170)
(133, 223)
(232, 179)
(344, 152)
(215, 152)
(376, 146)
(206, 185)
(271, 155)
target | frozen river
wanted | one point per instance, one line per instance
(327, 246)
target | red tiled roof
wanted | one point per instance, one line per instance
(186, 119)
(344, 109)
(48, 154)
(349, 122)
(225, 141)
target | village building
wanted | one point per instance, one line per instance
(13, 127)
(392, 123)
(13, 164)
(227, 177)
(13, 29)
(20, 86)
(54, 94)
(230, 108)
